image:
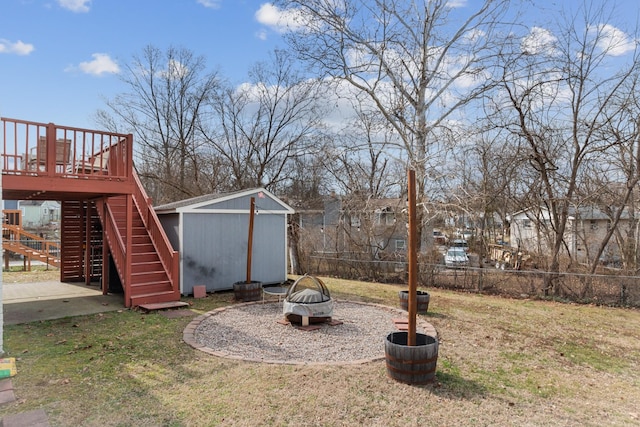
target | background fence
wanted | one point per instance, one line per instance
(605, 289)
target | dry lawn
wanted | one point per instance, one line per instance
(37, 274)
(501, 362)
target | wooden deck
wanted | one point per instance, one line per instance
(49, 162)
(106, 214)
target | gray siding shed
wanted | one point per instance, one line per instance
(211, 232)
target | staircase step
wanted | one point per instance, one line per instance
(141, 239)
(135, 228)
(142, 257)
(163, 305)
(154, 298)
(147, 267)
(142, 248)
(148, 277)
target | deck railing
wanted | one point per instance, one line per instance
(117, 247)
(40, 149)
(17, 240)
(168, 256)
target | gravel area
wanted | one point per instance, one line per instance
(252, 332)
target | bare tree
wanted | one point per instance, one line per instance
(359, 158)
(481, 174)
(260, 127)
(168, 93)
(612, 178)
(558, 86)
(307, 181)
(415, 61)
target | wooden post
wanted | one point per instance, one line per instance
(87, 243)
(50, 149)
(412, 260)
(105, 249)
(128, 248)
(250, 239)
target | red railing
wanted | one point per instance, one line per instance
(169, 258)
(117, 247)
(32, 148)
(17, 240)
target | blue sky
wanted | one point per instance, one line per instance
(60, 58)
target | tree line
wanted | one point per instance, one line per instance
(494, 113)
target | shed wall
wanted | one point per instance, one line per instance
(214, 250)
(171, 225)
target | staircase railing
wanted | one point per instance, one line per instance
(117, 247)
(169, 257)
(17, 240)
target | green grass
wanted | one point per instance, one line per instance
(500, 361)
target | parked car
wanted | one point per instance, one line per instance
(460, 243)
(439, 238)
(465, 233)
(456, 258)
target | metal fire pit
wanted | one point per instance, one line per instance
(308, 301)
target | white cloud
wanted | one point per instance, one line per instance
(211, 4)
(176, 69)
(614, 41)
(80, 6)
(539, 40)
(456, 3)
(262, 35)
(18, 48)
(279, 20)
(474, 35)
(101, 64)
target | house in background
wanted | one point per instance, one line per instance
(373, 228)
(10, 204)
(211, 233)
(39, 213)
(530, 230)
(590, 227)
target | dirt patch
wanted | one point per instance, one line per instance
(35, 275)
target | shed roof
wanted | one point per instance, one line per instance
(209, 200)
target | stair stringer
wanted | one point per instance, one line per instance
(143, 286)
(116, 246)
(169, 257)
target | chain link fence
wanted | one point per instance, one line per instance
(605, 289)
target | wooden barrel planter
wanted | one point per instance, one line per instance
(411, 364)
(422, 298)
(243, 291)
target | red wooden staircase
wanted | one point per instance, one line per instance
(125, 227)
(31, 246)
(106, 214)
(149, 269)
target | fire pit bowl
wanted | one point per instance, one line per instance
(308, 301)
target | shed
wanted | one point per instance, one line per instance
(211, 232)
